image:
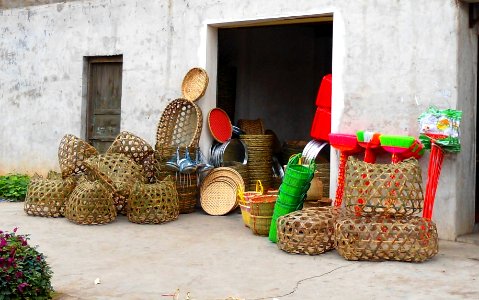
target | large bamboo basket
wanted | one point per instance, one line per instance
(392, 189)
(118, 173)
(308, 231)
(47, 197)
(132, 146)
(377, 238)
(179, 125)
(153, 203)
(90, 203)
(72, 151)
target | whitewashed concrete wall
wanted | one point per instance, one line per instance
(391, 60)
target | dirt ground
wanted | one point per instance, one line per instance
(219, 258)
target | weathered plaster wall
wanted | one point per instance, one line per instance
(391, 60)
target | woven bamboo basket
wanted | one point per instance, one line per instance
(251, 126)
(308, 231)
(262, 205)
(118, 173)
(153, 203)
(260, 224)
(187, 188)
(179, 125)
(90, 203)
(377, 238)
(72, 151)
(194, 84)
(47, 197)
(394, 189)
(132, 146)
(151, 168)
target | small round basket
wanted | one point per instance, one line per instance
(72, 151)
(47, 197)
(378, 238)
(90, 203)
(194, 84)
(262, 205)
(308, 231)
(153, 203)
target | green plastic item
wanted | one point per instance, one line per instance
(294, 190)
(280, 209)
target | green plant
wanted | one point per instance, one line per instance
(14, 186)
(24, 273)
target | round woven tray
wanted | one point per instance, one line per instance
(132, 146)
(379, 238)
(219, 197)
(308, 231)
(153, 203)
(72, 151)
(194, 84)
(47, 197)
(180, 125)
(90, 203)
(238, 167)
(393, 189)
(224, 172)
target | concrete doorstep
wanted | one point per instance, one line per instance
(207, 258)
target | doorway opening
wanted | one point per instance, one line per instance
(273, 73)
(104, 80)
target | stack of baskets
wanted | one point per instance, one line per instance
(292, 191)
(382, 199)
(260, 159)
(244, 199)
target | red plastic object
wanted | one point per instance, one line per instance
(347, 144)
(370, 148)
(434, 171)
(323, 99)
(321, 125)
(220, 125)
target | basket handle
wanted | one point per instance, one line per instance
(240, 194)
(294, 159)
(259, 187)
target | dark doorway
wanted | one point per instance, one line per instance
(104, 100)
(273, 73)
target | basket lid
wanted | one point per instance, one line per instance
(220, 125)
(194, 84)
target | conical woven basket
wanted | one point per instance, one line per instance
(392, 189)
(118, 173)
(47, 197)
(132, 146)
(180, 125)
(90, 203)
(308, 231)
(72, 151)
(379, 238)
(153, 203)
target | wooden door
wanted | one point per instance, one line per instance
(104, 100)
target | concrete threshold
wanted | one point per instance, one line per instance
(215, 258)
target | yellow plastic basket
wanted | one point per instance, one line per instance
(243, 200)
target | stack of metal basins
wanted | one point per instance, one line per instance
(260, 160)
(296, 182)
